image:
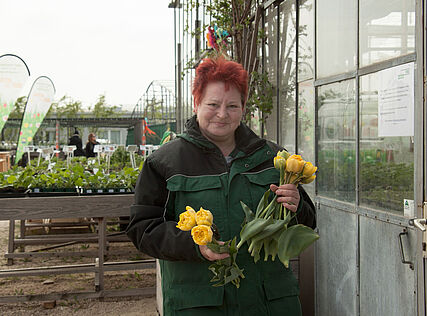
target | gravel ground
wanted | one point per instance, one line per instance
(126, 306)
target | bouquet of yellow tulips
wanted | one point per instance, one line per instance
(268, 228)
(204, 233)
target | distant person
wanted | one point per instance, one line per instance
(77, 141)
(90, 145)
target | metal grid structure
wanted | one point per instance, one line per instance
(157, 104)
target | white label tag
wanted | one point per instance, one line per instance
(408, 208)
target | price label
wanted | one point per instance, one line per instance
(109, 148)
(97, 149)
(69, 149)
(132, 148)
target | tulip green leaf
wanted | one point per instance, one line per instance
(270, 230)
(255, 249)
(249, 215)
(263, 202)
(270, 248)
(293, 241)
(253, 228)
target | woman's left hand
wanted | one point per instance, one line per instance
(288, 195)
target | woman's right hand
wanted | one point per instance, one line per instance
(212, 256)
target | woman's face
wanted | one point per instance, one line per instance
(92, 138)
(219, 112)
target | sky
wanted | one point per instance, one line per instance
(92, 47)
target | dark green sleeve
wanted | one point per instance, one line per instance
(149, 229)
(306, 213)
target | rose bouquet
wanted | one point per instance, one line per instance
(204, 233)
(269, 228)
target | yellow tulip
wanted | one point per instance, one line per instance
(187, 219)
(293, 178)
(309, 169)
(308, 180)
(294, 164)
(204, 217)
(202, 234)
(283, 154)
(279, 162)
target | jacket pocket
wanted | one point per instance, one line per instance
(197, 191)
(195, 183)
(259, 182)
(280, 286)
(264, 177)
(282, 294)
(193, 297)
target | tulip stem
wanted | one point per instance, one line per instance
(264, 211)
(282, 176)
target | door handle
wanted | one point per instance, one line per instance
(402, 254)
(419, 223)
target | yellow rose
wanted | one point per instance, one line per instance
(308, 180)
(204, 217)
(187, 219)
(309, 169)
(283, 154)
(294, 164)
(202, 234)
(279, 162)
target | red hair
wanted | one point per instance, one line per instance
(220, 69)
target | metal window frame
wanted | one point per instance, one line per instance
(356, 75)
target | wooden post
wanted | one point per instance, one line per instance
(11, 243)
(22, 234)
(99, 286)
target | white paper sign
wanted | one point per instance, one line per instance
(396, 101)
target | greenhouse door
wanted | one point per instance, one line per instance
(370, 188)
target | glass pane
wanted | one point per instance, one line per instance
(387, 29)
(386, 163)
(270, 61)
(115, 137)
(102, 135)
(336, 36)
(337, 145)
(306, 126)
(287, 76)
(306, 41)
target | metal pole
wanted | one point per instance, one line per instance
(179, 93)
(197, 32)
(57, 137)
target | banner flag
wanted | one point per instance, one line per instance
(38, 104)
(14, 74)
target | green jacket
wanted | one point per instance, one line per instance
(192, 171)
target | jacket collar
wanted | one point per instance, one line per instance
(246, 140)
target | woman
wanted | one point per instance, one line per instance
(91, 142)
(216, 163)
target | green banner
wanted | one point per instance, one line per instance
(38, 104)
(13, 75)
